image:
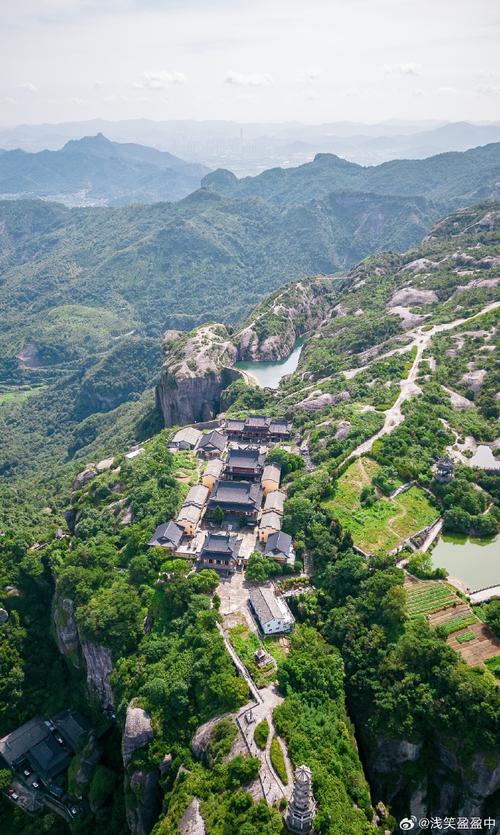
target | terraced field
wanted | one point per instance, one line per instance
(425, 597)
(386, 523)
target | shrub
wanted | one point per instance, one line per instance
(261, 734)
(278, 760)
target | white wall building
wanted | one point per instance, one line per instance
(271, 611)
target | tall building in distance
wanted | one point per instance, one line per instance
(302, 806)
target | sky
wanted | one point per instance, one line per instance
(249, 60)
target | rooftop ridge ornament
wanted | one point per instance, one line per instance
(302, 806)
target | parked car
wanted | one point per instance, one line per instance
(13, 794)
(26, 772)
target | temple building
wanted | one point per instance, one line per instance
(241, 499)
(220, 552)
(258, 428)
(211, 445)
(302, 806)
(244, 464)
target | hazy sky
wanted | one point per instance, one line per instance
(311, 60)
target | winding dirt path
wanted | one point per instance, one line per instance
(394, 416)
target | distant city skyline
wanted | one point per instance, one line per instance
(320, 61)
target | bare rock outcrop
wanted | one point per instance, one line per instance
(142, 804)
(287, 315)
(98, 665)
(411, 296)
(192, 822)
(322, 401)
(84, 477)
(66, 629)
(456, 788)
(197, 369)
(474, 379)
(201, 739)
(137, 732)
(457, 400)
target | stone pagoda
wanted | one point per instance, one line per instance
(302, 807)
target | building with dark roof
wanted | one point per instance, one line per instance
(258, 428)
(236, 498)
(220, 552)
(244, 464)
(279, 547)
(167, 535)
(72, 726)
(49, 758)
(211, 445)
(444, 469)
(45, 747)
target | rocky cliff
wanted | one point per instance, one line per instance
(197, 369)
(96, 659)
(275, 325)
(199, 365)
(142, 795)
(400, 773)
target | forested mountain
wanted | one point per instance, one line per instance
(95, 171)
(362, 660)
(75, 279)
(451, 179)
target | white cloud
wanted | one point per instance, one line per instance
(448, 91)
(7, 100)
(403, 69)
(115, 98)
(159, 80)
(75, 100)
(312, 74)
(254, 79)
(417, 91)
(98, 85)
(28, 86)
(488, 89)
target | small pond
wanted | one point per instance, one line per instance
(269, 374)
(484, 458)
(474, 561)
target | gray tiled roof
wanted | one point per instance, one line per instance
(272, 472)
(267, 607)
(214, 438)
(214, 467)
(188, 434)
(223, 544)
(275, 500)
(245, 458)
(278, 543)
(270, 519)
(197, 495)
(169, 533)
(236, 492)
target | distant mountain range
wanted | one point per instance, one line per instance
(96, 171)
(72, 280)
(451, 179)
(248, 149)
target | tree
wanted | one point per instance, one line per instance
(298, 513)
(492, 616)
(5, 778)
(260, 568)
(218, 516)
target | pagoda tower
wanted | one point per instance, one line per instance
(302, 807)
